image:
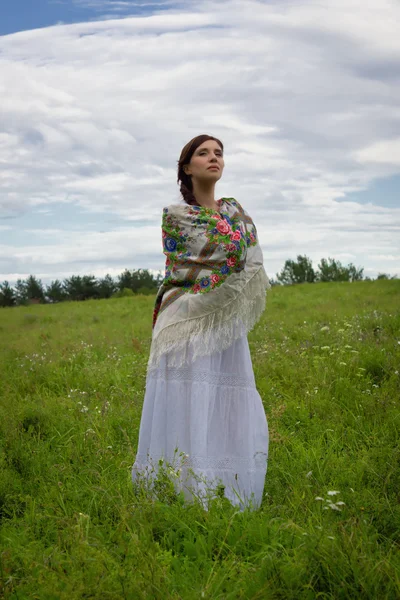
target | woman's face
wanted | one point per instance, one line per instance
(207, 162)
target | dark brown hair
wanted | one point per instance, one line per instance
(186, 185)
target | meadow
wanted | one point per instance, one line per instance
(326, 359)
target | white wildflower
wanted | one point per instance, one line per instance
(325, 328)
(318, 498)
(333, 493)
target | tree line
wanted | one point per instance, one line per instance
(302, 271)
(78, 287)
(141, 281)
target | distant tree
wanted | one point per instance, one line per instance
(354, 273)
(106, 287)
(90, 287)
(300, 271)
(55, 292)
(73, 287)
(21, 294)
(333, 270)
(124, 280)
(7, 295)
(386, 276)
(34, 289)
(137, 279)
(81, 287)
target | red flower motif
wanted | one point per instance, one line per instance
(196, 288)
(168, 261)
(230, 248)
(231, 261)
(235, 236)
(223, 227)
(214, 278)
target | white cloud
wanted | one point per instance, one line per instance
(383, 152)
(304, 96)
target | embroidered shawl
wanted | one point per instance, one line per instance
(214, 283)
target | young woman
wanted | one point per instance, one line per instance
(202, 412)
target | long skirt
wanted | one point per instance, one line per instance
(205, 423)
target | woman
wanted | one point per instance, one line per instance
(202, 412)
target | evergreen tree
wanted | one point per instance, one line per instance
(55, 291)
(73, 287)
(107, 287)
(7, 295)
(34, 289)
(21, 294)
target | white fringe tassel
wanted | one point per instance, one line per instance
(213, 332)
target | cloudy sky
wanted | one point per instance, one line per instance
(97, 98)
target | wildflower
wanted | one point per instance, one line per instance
(319, 498)
(343, 363)
(325, 328)
(333, 493)
(348, 347)
(84, 409)
(334, 506)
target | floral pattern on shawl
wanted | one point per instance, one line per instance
(228, 232)
(228, 235)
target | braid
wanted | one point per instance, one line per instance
(187, 194)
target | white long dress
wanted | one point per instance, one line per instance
(207, 419)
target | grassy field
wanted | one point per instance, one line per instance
(327, 362)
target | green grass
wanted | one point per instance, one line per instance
(327, 362)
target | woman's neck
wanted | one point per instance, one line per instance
(205, 196)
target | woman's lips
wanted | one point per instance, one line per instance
(216, 168)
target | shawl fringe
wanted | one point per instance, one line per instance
(216, 331)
